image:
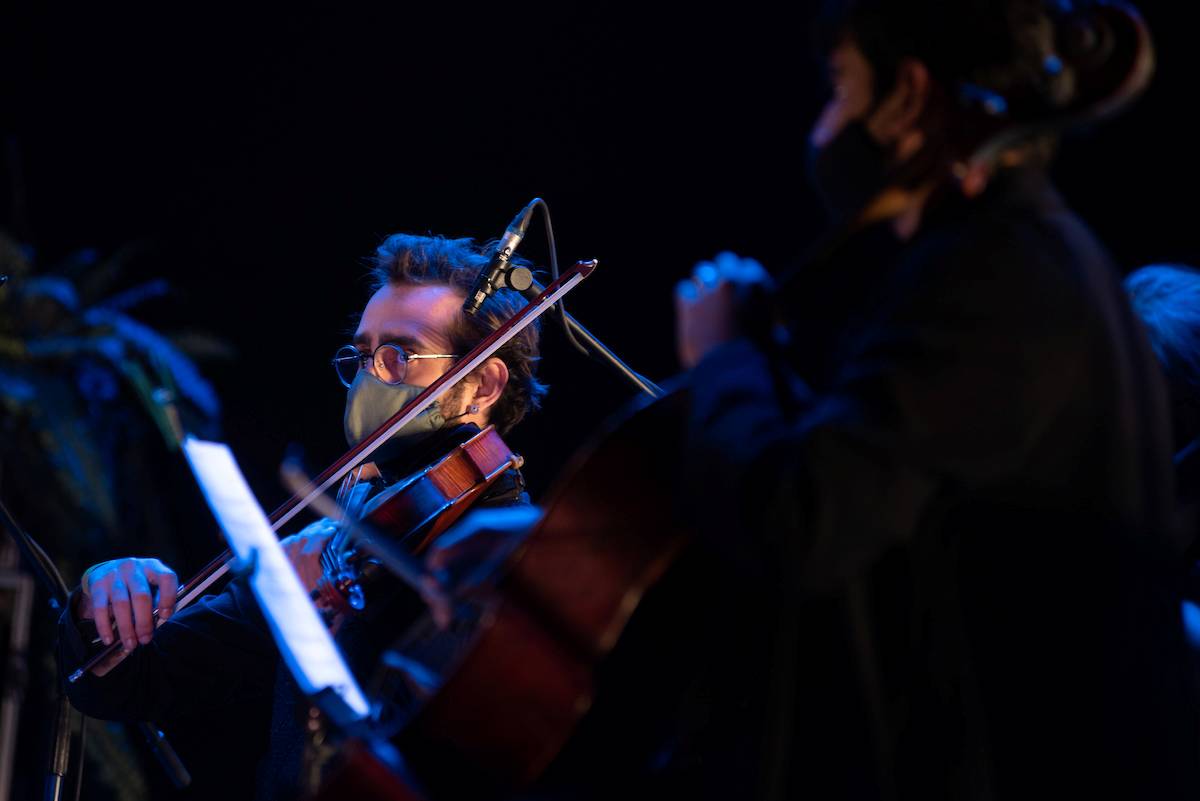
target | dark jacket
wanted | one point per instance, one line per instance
(212, 678)
(962, 515)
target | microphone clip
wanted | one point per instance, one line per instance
(499, 272)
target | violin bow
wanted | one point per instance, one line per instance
(219, 566)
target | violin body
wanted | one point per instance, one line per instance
(414, 511)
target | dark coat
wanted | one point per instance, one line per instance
(961, 518)
(212, 677)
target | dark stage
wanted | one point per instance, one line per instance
(253, 157)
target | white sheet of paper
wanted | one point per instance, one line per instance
(305, 643)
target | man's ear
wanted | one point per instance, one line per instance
(896, 122)
(490, 380)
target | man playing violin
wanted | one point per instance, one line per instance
(214, 662)
(964, 507)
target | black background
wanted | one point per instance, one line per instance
(256, 155)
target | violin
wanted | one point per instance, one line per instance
(414, 512)
(220, 566)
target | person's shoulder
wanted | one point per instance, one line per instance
(1019, 246)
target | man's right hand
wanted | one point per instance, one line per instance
(120, 590)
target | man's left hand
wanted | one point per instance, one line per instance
(304, 548)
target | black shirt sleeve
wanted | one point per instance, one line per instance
(952, 387)
(212, 654)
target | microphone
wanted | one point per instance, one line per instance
(498, 273)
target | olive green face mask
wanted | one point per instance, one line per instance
(369, 404)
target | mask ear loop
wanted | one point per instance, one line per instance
(472, 409)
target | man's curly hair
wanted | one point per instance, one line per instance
(412, 259)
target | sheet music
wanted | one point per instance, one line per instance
(305, 643)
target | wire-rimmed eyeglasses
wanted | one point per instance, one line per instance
(390, 362)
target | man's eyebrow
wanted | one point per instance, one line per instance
(403, 340)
